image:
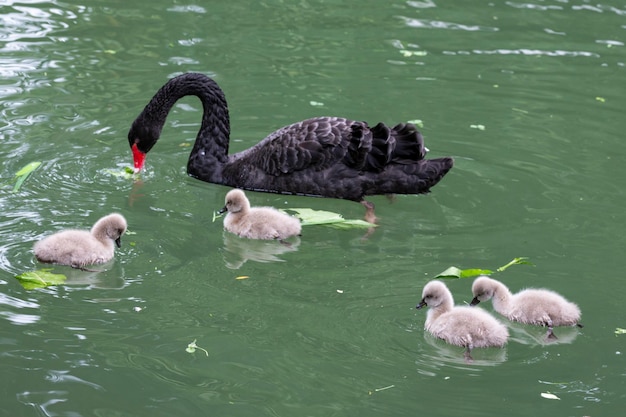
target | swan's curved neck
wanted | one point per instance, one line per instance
(433, 313)
(212, 138)
(501, 298)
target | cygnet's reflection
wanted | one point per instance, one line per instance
(442, 353)
(536, 335)
(102, 276)
(237, 250)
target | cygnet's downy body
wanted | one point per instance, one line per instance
(535, 306)
(462, 325)
(265, 223)
(78, 248)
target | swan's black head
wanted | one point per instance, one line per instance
(144, 134)
(141, 137)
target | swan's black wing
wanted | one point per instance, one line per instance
(320, 143)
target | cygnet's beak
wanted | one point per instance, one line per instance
(222, 210)
(474, 301)
(118, 242)
(421, 304)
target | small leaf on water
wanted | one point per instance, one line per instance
(417, 122)
(451, 272)
(351, 224)
(216, 215)
(310, 217)
(23, 173)
(126, 173)
(40, 279)
(454, 272)
(27, 169)
(549, 396)
(242, 277)
(468, 273)
(516, 261)
(191, 348)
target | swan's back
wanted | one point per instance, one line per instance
(469, 326)
(542, 307)
(265, 223)
(340, 158)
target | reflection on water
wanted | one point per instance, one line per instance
(237, 250)
(96, 278)
(441, 354)
(536, 335)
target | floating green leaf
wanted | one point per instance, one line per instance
(40, 279)
(126, 173)
(454, 272)
(516, 261)
(310, 217)
(417, 122)
(22, 174)
(191, 348)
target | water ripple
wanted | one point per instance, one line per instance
(525, 51)
(438, 24)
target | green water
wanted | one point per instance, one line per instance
(528, 99)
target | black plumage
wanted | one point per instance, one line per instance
(323, 156)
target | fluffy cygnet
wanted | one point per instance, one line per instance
(531, 306)
(78, 248)
(257, 222)
(462, 325)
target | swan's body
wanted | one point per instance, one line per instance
(530, 306)
(462, 325)
(324, 156)
(265, 223)
(78, 248)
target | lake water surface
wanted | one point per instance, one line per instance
(527, 97)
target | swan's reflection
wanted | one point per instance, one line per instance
(237, 250)
(536, 335)
(102, 276)
(94, 279)
(441, 353)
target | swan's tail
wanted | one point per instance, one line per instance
(396, 160)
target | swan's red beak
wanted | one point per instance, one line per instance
(139, 158)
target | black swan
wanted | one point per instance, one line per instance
(323, 156)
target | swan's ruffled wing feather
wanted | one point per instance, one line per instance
(314, 144)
